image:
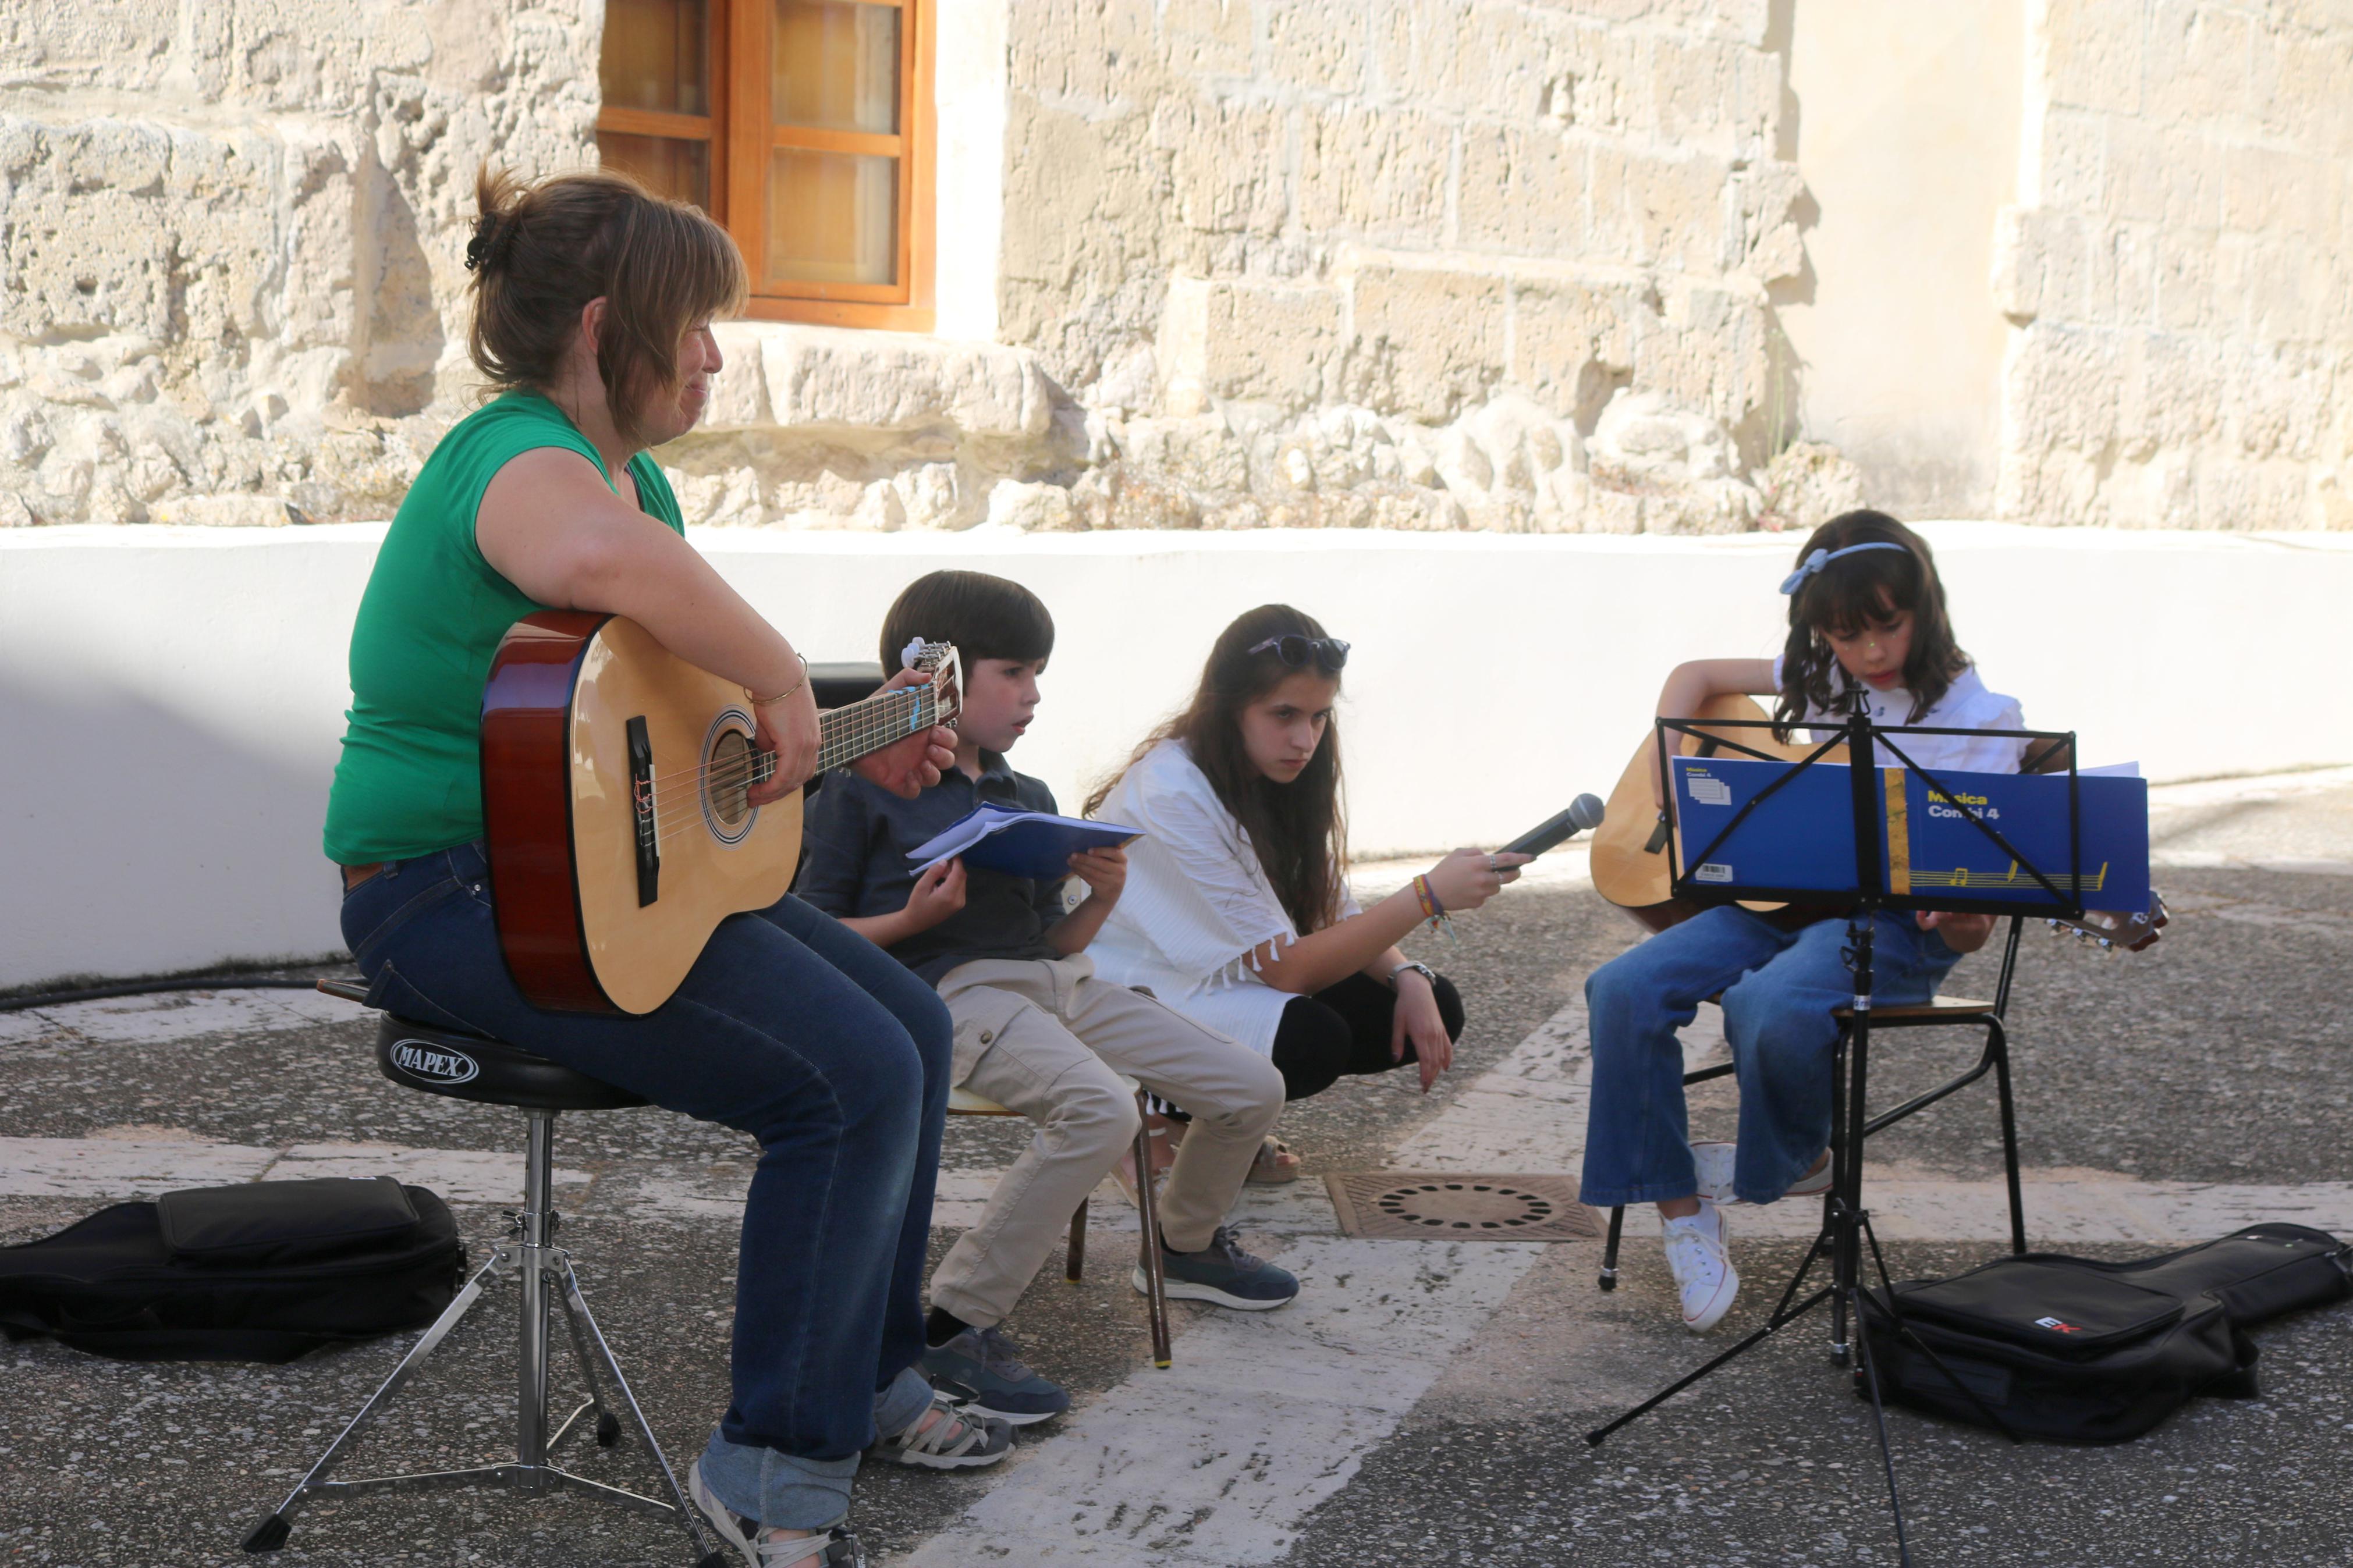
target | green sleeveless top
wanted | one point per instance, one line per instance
(409, 781)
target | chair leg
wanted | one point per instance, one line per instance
(1147, 1205)
(1998, 1043)
(1608, 1280)
(1075, 1256)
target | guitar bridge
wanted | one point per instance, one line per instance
(642, 806)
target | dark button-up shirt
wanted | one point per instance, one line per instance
(855, 842)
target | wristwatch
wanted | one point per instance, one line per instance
(1418, 967)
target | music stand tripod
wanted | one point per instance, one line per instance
(1846, 1224)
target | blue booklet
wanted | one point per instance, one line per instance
(1034, 843)
(1803, 837)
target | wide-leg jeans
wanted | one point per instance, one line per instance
(790, 1027)
(1779, 986)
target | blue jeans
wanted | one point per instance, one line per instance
(790, 1027)
(1778, 988)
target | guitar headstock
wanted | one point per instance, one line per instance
(938, 659)
(2133, 931)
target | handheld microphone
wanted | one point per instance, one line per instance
(1584, 814)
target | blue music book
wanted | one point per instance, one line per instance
(1803, 837)
(1034, 843)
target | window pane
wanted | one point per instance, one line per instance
(833, 217)
(657, 55)
(678, 169)
(836, 67)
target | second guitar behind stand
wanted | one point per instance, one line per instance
(1880, 857)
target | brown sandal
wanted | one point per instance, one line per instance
(1274, 1164)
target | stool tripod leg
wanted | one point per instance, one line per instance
(689, 1519)
(608, 1426)
(1608, 1280)
(1074, 1256)
(271, 1532)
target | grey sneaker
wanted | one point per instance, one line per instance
(981, 1367)
(835, 1548)
(1223, 1273)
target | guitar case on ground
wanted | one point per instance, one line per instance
(2072, 1350)
(264, 1271)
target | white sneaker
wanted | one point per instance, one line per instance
(1714, 1163)
(1704, 1277)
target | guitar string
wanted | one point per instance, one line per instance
(880, 720)
(833, 751)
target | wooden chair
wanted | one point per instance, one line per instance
(964, 1103)
(1944, 1012)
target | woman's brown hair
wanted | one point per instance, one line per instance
(541, 253)
(1299, 829)
(1866, 589)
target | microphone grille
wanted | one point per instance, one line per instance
(1587, 812)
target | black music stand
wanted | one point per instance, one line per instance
(1846, 1223)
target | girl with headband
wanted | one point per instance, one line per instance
(1867, 627)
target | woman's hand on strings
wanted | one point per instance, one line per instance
(1416, 1018)
(1469, 877)
(909, 767)
(786, 729)
(1962, 934)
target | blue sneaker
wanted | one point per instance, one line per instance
(981, 1367)
(1223, 1273)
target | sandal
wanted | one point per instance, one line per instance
(834, 1547)
(956, 1439)
(1274, 1164)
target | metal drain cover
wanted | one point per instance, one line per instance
(1453, 1205)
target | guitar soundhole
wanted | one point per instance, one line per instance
(730, 779)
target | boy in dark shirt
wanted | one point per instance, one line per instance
(1034, 1030)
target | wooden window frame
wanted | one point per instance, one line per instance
(741, 135)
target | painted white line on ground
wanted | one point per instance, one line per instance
(176, 1015)
(1218, 1460)
(2060, 1211)
(118, 1168)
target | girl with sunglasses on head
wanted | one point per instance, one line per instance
(1237, 911)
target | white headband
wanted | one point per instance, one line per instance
(1821, 558)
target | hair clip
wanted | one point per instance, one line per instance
(1821, 558)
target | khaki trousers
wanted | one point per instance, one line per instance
(1046, 1039)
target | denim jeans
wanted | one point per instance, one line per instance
(790, 1027)
(1778, 988)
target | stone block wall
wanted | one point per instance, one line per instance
(230, 240)
(2180, 271)
(1389, 262)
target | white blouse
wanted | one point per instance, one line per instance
(1966, 705)
(1197, 904)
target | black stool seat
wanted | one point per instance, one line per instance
(463, 1065)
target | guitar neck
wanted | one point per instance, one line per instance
(845, 734)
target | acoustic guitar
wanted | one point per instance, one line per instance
(613, 782)
(1633, 865)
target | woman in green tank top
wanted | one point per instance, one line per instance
(593, 303)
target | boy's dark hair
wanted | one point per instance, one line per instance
(1866, 589)
(1299, 829)
(984, 616)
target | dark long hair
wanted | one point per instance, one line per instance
(1299, 829)
(1847, 595)
(539, 253)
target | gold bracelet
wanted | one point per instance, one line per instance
(787, 691)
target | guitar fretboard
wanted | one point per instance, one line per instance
(845, 734)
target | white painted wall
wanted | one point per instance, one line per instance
(1908, 133)
(170, 699)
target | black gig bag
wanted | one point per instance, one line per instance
(265, 1271)
(2072, 1350)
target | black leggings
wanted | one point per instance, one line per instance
(1345, 1028)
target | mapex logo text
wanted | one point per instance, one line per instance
(436, 1062)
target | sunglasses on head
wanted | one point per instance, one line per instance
(1296, 651)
